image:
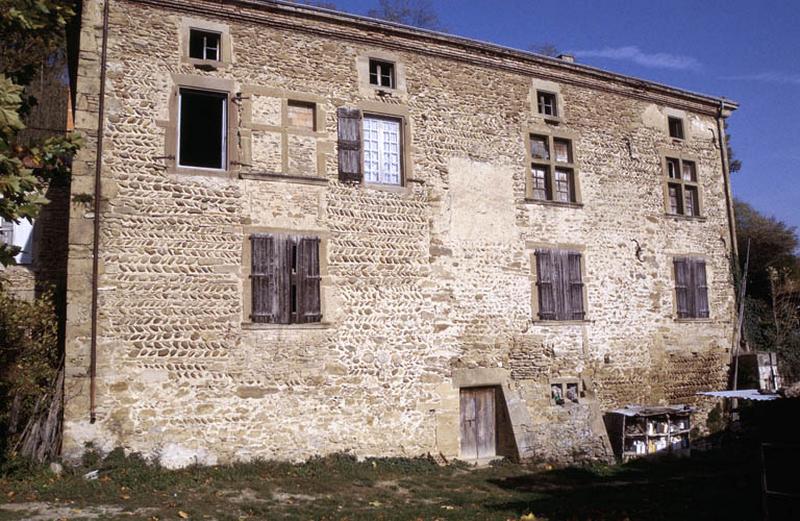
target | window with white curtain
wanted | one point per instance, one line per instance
(382, 150)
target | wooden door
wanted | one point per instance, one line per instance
(478, 429)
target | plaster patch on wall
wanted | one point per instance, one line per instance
(479, 194)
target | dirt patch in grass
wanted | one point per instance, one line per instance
(720, 485)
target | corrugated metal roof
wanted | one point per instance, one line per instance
(648, 410)
(743, 394)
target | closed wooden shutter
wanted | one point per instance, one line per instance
(560, 284)
(349, 145)
(308, 298)
(576, 309)
(262, 278)
(682, 282)
(544, 284)
(700, 288)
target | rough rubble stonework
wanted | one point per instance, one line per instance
(419, 284)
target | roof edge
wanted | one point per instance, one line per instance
(722, 105)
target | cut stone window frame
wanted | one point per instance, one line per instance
(212, 86)
(224, 54)
(373, 145)
(392, 71)
(291, 121)
(381, 73)
(547, 103)
(553, 171)
(682, 194)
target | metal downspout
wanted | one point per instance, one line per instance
(97, 196)
(723, 151)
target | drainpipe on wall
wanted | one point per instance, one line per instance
(723, 151)
(97, 196)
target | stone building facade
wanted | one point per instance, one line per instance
(429, 280)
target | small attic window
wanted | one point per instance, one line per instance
(547, 103)
(205, 45)
(676, 128)
(381, 73)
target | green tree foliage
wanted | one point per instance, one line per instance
(416, 13)
(32, 30)
(29, 361)
(772, 245)
(772, 305)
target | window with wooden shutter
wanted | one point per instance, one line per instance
(349, 144)
(308, 280)
(560, 285)
(700, 288)
(544, 284)
(263, 278)
(285, 279)
(691, 288)
(576, 310)
(682, 287)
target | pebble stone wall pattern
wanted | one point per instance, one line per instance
(425, 288)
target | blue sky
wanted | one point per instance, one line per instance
(748, 51)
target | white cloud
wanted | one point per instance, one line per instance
(660, 60)
(768, 77)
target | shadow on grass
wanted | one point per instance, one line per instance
(723, 484)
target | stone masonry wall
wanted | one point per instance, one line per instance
(418, 282)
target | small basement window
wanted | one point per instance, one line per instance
(562, 392)
(202, 129)
(381, 73)
(205, 45)
(675, 128)
(547, 103)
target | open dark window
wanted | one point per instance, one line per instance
(285, 279)
(381, 73)
(675, 127)
(205, 45)
(560, 285)
(202, 129)
(691, 288)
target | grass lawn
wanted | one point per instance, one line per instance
(715, 485)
